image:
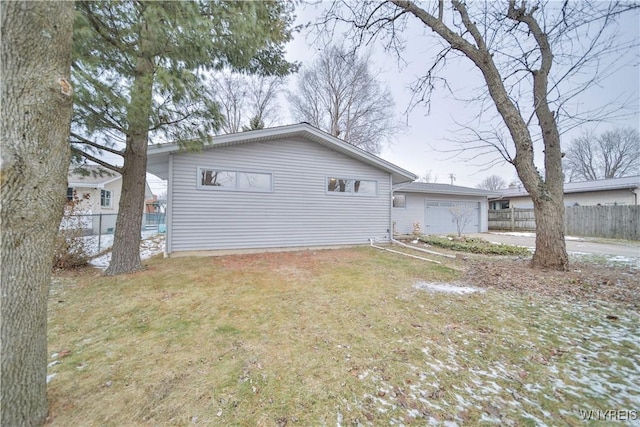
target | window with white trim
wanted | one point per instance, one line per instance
(105, 198)
(231, 180)
(399, 201)
(352, 186)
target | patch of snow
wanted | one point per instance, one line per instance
(524, 234)
(446, 288)
(587, 342)
(152, 244)
(611, 259)
(50, 377)
(514, 233)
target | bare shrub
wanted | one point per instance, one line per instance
(71, 249)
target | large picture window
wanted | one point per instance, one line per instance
(352, 186)
(235, 180)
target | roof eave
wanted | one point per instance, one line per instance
(399, 174)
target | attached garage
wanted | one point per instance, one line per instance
(444, 216)
(439, 208)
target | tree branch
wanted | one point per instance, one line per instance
(82, 140)
(97, 160)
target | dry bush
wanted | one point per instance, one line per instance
(71, 249)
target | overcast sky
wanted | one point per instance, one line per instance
(419, 146)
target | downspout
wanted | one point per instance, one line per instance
(402, 253)
(391, 208)
(635, 195)
(394, 241)
(168, 217)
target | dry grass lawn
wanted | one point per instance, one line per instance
(336, 337)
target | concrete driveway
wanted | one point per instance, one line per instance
(583, 245)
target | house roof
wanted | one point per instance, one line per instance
(158, 155)
(433, 188)
(629, 182)
(94, 176)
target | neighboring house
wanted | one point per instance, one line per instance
(437, 208)
(154, 205)
(285, 187)
(605, 192)
(98, 191)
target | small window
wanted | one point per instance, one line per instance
(353, 186)
(105, 198)
(252, 181)
(399, 201)
(235, 180)
(365, 187)
(218, 178)
(69, 194)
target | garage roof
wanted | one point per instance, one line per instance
(433, 188)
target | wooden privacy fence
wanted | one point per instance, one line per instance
(613, 222)
(512, 219)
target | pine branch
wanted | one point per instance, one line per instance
(82, 140)
(98, 161)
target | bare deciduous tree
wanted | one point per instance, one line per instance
(339, 94)
(262, 93)
(492, 183)
(247, 102)
(612, 154)
(230, 92)
(36, 116)
(532, 70)
(461, 216)
(428, 177)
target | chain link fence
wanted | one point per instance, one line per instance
(99, 228)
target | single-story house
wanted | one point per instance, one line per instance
(97, 191)
(605, 192)
(283, 187)
(439, 208)
(292, 186)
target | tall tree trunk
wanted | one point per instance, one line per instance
(550, 245)
(547, 194)
(125, 255)
(36, 116)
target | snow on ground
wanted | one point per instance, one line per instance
(592, 359)
(152, 244)
(523, 234)
(611, 260)
(446, 288)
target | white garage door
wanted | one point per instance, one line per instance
(442, 217)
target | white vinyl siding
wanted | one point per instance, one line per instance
(297, 212)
